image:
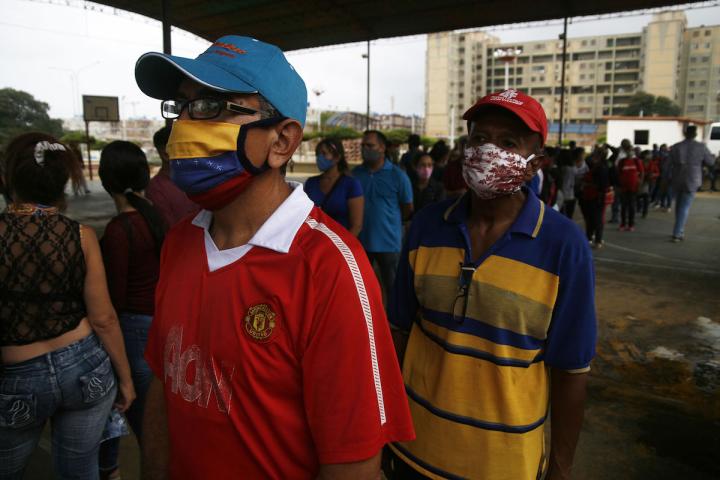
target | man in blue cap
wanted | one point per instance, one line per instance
(270, 344)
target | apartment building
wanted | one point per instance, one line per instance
(699, 89)
(601, 72)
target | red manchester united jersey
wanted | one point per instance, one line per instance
(276, 356)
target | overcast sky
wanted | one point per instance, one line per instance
(45, 45)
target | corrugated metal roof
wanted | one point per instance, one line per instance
(294, 24)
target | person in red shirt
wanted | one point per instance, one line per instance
(131, 255)
(172, 203)
(630, 176)
(651, 174)
(270, 344)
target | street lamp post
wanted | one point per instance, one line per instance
(318, 92)
(507, 55)
(74, 82)
(367, 112)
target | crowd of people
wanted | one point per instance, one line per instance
(237, 322)
(627, 179)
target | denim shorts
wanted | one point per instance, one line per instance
(75, 387)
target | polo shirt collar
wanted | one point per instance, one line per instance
(387, 165)
(279, 230)
(529, 220)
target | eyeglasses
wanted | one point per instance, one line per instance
(206, 108)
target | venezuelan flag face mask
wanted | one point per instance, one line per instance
(208, 161)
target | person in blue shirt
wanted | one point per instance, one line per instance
(388, 201)
(337, 193)
(493, 314)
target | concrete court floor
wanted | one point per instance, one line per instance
(653, 407)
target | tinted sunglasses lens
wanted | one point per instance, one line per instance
(204, 108)
(170, 109)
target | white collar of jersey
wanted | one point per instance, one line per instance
(278, 231)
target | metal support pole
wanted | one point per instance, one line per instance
(87, 139)
(562, 81)
(367, 120)
(167, 42)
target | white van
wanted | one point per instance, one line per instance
(712, 138)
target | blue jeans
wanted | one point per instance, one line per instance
(135, 329)
(74, 387)
(683, 201)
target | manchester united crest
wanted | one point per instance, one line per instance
(260, 322)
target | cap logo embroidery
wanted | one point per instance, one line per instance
(260, 322)
(229, 46)
(507, 96)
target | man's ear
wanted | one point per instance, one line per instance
(288, 136)
(533, 166)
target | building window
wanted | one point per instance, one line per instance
(584, 43)
(592, 42)
(704, 59)
(707, 45)
(582, 76)
(542, 78)
(532, 79)
(696, 33)
(539, 46)
(583, 66)
(591, 76)
(610, 42)
(642, 137)
(691, 83)
(703, 83)
(707, 33)
(538, 68)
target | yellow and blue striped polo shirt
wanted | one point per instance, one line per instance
(476, 365)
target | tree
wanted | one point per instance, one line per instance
(77, 136)
(20, 112)
(341, 133)
(397, 136)
(651, 105)
(666, 107)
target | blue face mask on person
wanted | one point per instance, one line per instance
(323, 163)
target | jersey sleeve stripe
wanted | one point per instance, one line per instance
(364, 302)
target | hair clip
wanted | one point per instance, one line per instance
(42, 147)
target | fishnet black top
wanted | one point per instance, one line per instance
(42, 273)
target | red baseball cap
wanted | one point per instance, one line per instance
(524, 106)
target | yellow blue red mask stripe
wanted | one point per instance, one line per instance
(203, 154)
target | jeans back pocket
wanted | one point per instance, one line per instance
(17, 410)
(98, 382)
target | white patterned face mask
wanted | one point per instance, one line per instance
(492, 172)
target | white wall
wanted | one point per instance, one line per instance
(660, 131)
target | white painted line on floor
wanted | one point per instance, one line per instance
(653, 255)
(654, 265)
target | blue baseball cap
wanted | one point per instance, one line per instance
(232, 64)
